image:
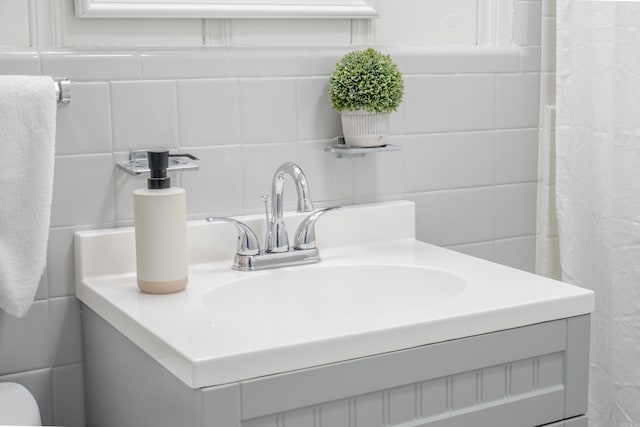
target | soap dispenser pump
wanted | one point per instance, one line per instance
(161, 230)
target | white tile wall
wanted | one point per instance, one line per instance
(482, 250)
(516, 155)
(184, 64)
(268, 110)
(377, 175)
(68, 395)
(472, 215)
(209, 112)
(316, 119)
(467, 129)
(515, 210)
(332, 180)
(215, 188)
(517, 100)
(145, 114)
(431, 94)
(83, 190)
(425, 162)
(434, 212)
(80, 65)
(472, 159)
(21, 340)
(473, 102)
(84, 126)
(517, 252)
(274, 62)
(27, 62)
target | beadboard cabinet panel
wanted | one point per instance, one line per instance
(523, 377)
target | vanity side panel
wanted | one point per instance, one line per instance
(577, 379)
(126, 387)
(280, 393)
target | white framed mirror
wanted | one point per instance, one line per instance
(274, 9)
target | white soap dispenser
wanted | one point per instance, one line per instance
(161, 231)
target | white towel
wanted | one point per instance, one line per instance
(27, 149)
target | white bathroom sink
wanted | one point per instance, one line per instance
(332, 294)
(376, 290)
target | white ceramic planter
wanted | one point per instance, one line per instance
(365, 129)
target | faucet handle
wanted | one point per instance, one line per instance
(247, 240)
(306, 233)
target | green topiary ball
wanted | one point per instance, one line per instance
(366, 80)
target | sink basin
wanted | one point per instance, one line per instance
(333, 294)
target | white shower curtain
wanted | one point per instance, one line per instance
(598, 190)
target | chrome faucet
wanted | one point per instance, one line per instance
(278, 252)
(277, 239)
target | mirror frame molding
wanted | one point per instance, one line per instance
(226, 9)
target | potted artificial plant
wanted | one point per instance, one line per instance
(365, 87)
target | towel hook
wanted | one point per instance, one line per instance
(63, 91)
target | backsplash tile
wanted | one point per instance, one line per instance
(268, 110)
(185, 64)
(324, 59)
(530, 58)
(60, 262)
(216, 187)
(472, 215)
(414, 60)
(431, 97)
(209, 112)
(20, 62)
(472, 161)
(516, 252)
(316, 117)
(65, 330)
(516, 155)
(84, 125)
(377, 175)
(83, 190)
(433, 216)
(482, 250)
(25, 343)
(499, 59)
(330, 178)
(68, 395)
(425, 162)
(515, 213)
(85, 65)
(473, 100)
(145, 114)
(517, 100)
(273, 62)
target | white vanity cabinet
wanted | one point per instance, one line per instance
(385, 331)
(523, 377)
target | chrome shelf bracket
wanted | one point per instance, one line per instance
(138, 163)
(343, 150)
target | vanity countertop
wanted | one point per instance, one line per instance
(225, 327)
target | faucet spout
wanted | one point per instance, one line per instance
(277, 239)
